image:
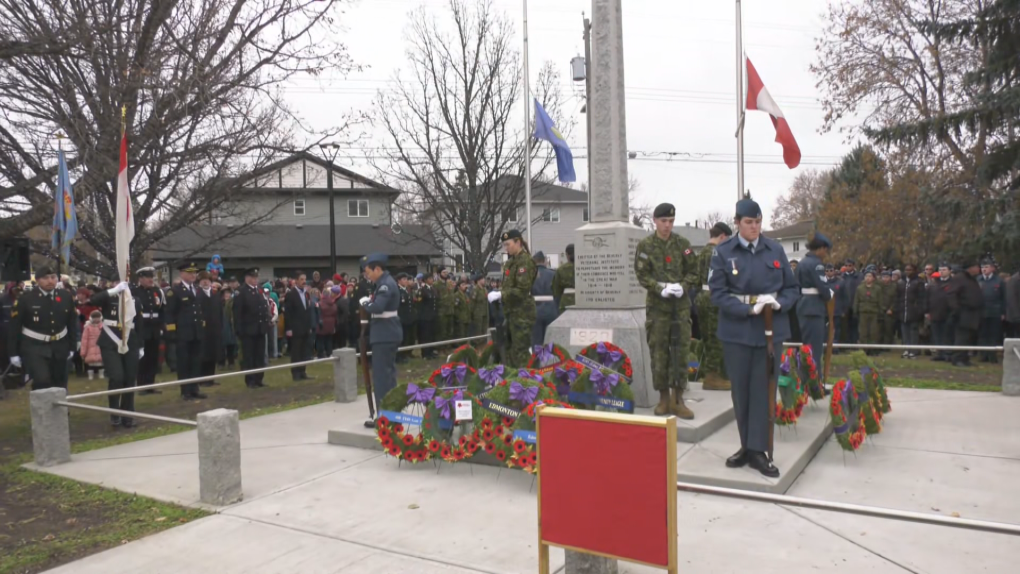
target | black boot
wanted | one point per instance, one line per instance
(761, 463)
(738, 459)
(115, 420)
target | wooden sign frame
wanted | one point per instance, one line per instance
(585, 490)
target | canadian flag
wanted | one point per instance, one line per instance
(123, 234)
(758, 98)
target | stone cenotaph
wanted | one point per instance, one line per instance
(610, 303)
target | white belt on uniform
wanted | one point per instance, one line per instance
(705, 287)
(45, 338)
(543, 298)
(751, 299)
(111, 323)
(809, 291)
(113, 336)
(568, 291)
(150, 315)
(385, 315)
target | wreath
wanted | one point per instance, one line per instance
(441, 434)
(609, 356)
(464, 354)
(496, 412)
(564, 376)
(791, 393)
(872, 413)
(487, 354)
(546, 356)
(808, 370)
(847, 416)
(399, 443)
(601, 390)
(453, 374)
(876, 385)
(524, 455)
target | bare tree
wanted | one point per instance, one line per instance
(200, 84)
(454, 123)
(807, 193)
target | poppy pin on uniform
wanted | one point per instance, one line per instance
(776, 264)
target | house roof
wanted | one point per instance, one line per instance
(263, 241)
(696, 235)
(545, 192)
(366, 185)
(797, 230)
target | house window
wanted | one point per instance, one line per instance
(584, 215)
(796, 246)
(512, 217)
(459, 262)
(551, 215)
(357, 208)
(299, 207)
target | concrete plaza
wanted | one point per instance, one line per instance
(312, 507)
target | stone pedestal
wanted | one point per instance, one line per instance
(581, 563)
(1011, 368)
(604, 266)
(219, 457)
(51, 437)
(345, 376)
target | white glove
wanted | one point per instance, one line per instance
(667, 291)
(364, 301)
(141, 353)
(120, 288)
(16, 361)
(769, 300)
(678, 290)
(70, 355)
(756, 310)
(495, 296)
(832, 294)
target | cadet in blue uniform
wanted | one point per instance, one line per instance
(815, 293)
(184, 318)
(545, 306)
(748, 272)
(385, 333)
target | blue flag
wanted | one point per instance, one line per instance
(545, 130)
(65, 220)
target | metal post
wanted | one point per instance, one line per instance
(740, 107)
(527, 130)
(587, 101)
(332, 221)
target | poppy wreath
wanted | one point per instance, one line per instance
(876, 386)
(487, 354)
(396, 400)
(562, 377)
(399, 443)
(808, 369)
(610, 356)
(847, 416)
(547, 356)
(465, 354)
(453, 374)
(439, 427)
(524, 456)
(791, 393)
(603, 383)
(492, 430)
(872, 413)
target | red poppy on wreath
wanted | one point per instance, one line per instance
(520, 446)
(463, 440)
(387, 442)
(394, 450)
(508, 439)
(486, 422)
(433, 445)
(458, 454)
(410, 456)
(488, 435)
(508, 422)
(398, 428)
(408, 440)
(445, 453)
(533, 458)
(498, 429)
(490, 447)
(382, 422)
(500, 456)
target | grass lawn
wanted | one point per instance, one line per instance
(46, 521)
(923, 373)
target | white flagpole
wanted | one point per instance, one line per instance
(527, 131)
(740, 107)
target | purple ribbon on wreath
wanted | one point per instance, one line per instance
(604, 353)
(564, 378)
(443, 403)
(524, 374)
(784, 366)
(449, 372)
(604, 383)
(420, 394)
(845, 403)
(544, 353)
(526, 395)
(491, 377)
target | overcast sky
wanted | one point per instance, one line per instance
(680, 78)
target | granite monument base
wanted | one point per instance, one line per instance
(577, 328)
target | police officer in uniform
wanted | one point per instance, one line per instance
(563, 281)
(151, 302)
(993, 290)
(253, 323)
(546, 309)
(184, 318)
(748, 272)
(386, 334)
(43, 331)
(121, 367)
(815, 293)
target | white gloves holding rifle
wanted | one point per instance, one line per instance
(764, 300)
(16, 361)
(672, 290)
(495, 296)
(364, 301)
(120, 288)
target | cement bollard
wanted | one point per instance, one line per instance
(1011, 368)
(51, 436)
(581, 563)
(345, 376)
(219, 457)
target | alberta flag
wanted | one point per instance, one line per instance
(65, 220)
(545, 130)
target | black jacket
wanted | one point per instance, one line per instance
(427, 308)
(938, 300)
(184, 313)
(406, 311)
(297, 316)
(110, 308)
(910, 304)
(46, 315)
(251, 312)
(1013, 299)
(212, 313)
(966, 301)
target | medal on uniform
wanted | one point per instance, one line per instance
(734, 265)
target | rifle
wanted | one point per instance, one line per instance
(674, 347)
(365, 368)
(499, 338)
(770, 363)
(830, 307)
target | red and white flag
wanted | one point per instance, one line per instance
(758, 98)
(125, 232)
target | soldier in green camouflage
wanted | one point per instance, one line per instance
(667, 268)
(711, 367)
(563, 281)
(444, 300)
(479, 308)
(519, 273)
(461, 310)
(869, 306)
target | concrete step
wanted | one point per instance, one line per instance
(712, 411)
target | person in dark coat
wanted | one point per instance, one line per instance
(815, 294)
(184, 319)
(993, 290)
(386, 334)
(967, 302)
(328, 315)
(212, 316)
(121, 368)
(851, 280)
(546, 309)
(228, 349)
(937, 307)
(1013, 305)
(910, 307)
(428, 307)
(253, 323)
(151, 301)
(407, 315)
(297, 312)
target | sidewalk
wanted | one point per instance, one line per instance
(315, 508)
